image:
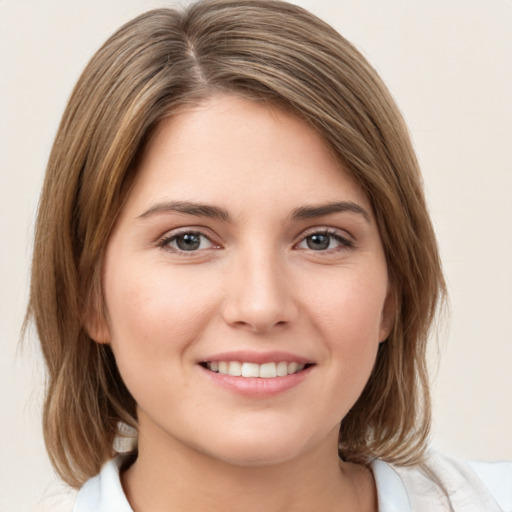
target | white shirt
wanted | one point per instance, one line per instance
(471, 487)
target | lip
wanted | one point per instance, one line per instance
(256, 387)
(257, 357)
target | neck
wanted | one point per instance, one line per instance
(182, 478)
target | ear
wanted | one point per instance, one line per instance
(388, 315)
(95, 323)
(97, 328)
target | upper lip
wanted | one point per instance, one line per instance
(257, 357)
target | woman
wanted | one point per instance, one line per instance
(241, 269)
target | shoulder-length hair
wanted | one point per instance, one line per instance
(167, 60)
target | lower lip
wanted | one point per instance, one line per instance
(257, 386)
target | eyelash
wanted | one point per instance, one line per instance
(165, 242)
(344, 242)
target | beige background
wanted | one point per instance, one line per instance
(448, 64)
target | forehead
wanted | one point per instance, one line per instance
(232, 150)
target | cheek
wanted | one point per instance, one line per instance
(155, 312)
(348, 316)
(156, 316)
(350, 305)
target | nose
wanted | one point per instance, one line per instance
(259, 295)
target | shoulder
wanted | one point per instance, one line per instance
(104, 492)
(444, 483)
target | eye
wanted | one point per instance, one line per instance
(324, 241)
(187, 241)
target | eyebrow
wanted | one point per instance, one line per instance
(190, 208)
(216, 212)
(309, 212)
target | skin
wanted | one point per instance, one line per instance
(259, 281)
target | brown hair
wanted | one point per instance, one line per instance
(165, 60)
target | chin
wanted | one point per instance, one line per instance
(260, 448)
(255, 456)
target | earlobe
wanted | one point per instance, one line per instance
(95, 323)
(388, 316)
(97, 329)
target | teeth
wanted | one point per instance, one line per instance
(268, 370)
(250, 370)
(235, 369)
(265, 370)
(282, 369)
(292, 367)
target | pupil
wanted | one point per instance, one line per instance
(188, 242)
(318, 242)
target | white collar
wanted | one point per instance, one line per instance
(486, 486)
(391, 493)
(104, 492)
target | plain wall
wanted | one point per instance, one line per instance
(449, 66)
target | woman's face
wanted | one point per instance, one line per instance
(245, 285)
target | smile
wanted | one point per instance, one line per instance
(246, 369)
